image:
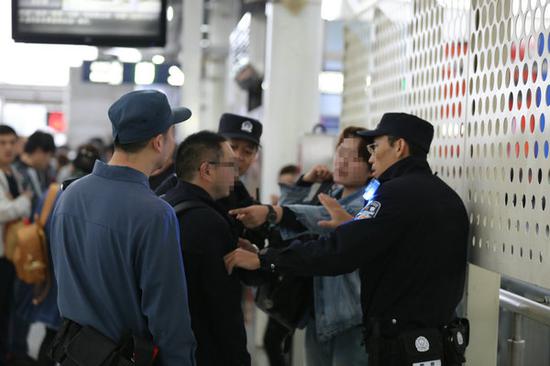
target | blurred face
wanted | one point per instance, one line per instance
(41, 159)
(245, 153)
(225, 173)
(383, 155)
(7, 149)
(349, 169)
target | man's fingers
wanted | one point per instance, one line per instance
(329, 202)
(237, 211)
(326, 224)
(229, 260)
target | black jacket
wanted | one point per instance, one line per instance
(239, 198)
(410, 248)
(214, 296)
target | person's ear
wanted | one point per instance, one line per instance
(402, 148)
(157, 143)
(205, 171)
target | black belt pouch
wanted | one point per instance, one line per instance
(421, 345)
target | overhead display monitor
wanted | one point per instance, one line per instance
(122, 23)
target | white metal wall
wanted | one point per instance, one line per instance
(478, 70)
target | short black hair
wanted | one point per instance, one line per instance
(195, 150)
(132, 147)
(7, 130)
(414, 150)
(289, 169)
(86, 156)
(40, 141)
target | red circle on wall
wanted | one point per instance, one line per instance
(522, 50)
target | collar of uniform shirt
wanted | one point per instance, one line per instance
(123, 173)
(405, 166)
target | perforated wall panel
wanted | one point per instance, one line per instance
(478, 70)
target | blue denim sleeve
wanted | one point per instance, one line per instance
(293, 194)
(309, 216)
(164, 301)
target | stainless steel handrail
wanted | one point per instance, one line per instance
(528, 308)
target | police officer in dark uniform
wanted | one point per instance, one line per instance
(244, 135)
(409, 242)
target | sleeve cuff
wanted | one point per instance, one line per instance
(267, 259)
(301, 183)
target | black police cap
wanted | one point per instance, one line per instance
(233, 126)
(410, 127)
(140, 115)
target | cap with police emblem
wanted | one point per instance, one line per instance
(140, 115)
(233, 126)
(412, 128)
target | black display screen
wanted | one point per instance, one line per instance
(123, 23)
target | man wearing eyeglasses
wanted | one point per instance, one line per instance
(206, 169)
(409, 242)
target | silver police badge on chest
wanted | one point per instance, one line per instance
(247, 126)
(422, 344)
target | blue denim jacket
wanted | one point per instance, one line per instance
(336, 299)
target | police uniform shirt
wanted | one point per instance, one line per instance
(118, 263)
(409, 242)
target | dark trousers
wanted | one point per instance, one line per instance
(7, 276)
(275, 337)
(19, 327)
(43, 358)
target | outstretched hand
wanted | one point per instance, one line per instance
(251, 216)
(338, 215)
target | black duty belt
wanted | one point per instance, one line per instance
(394, 344)
(76, 345)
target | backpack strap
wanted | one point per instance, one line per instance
(48, 204)
(188, 205)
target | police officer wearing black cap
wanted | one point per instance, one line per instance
(116, 251)
(409, 242)
(244, 135)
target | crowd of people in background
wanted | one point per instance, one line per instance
(28, 165)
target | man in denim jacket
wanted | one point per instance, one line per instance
(333, 335)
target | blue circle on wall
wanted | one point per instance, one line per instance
(541, 44)
(538, 96)
(542, 122)
(548, 95)
(536, 149)
(546, 149)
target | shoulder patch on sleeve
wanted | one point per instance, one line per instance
(369, 211)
